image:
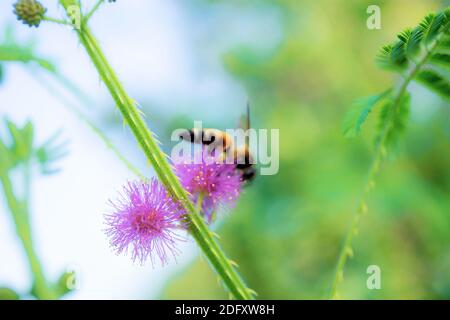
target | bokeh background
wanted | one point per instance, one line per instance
(301, 64)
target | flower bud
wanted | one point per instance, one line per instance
(30, 12)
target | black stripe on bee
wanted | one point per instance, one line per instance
(248, 174)
(243, 165)
(208, 137)
(243, 159)
(198, 136)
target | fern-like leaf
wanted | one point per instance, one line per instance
(434, 82)
(426, 22)
(441, 59)
(359, 112)
(413, 45)
(434, 26)
(393, 121)
(398, 55)
(393, 56)
(383, 58)
(444, 45)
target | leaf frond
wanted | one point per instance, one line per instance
(393, 121)
(435, 82)
(359, 112)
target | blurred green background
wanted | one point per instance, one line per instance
(287, 230)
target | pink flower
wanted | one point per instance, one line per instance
(217, 182)
(144, 222)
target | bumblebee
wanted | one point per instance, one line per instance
(216, 139)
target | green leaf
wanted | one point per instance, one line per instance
(49, 153)
(383, 58)
(22, 141)
(444, 44)
(393, 56)
(398, 54)
(410, 43)
(358, 114)
(413, 44)
(20, 149)
(11, 51)
(426, 23)
(393, 122)
(434, 82)
(441, 59)
(433, 26)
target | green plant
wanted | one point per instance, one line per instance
(420, 54)
(11, 51)
(20, 155)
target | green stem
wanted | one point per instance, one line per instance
(76, 92)
(93, 10)
(20, 214)
(22, 54)
(68, 105)
(62, 22)
(199, 202)
(380, 153)
(158, 160)
(71, 87)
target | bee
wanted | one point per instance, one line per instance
(215, 139)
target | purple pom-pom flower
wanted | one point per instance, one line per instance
(144, 222)
(217, 182)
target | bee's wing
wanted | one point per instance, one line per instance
(244, 122)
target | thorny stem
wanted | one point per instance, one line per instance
(380, 153)
(200, 201)
(19, 210)
(158, 160)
